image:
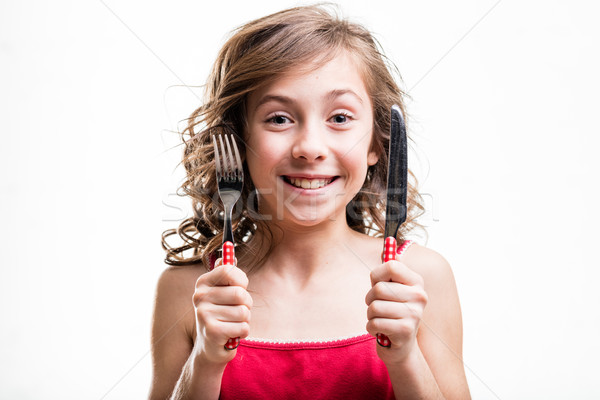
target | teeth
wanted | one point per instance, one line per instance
(309, 183)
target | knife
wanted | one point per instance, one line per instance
(397, 184)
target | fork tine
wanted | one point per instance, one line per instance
(217, 159)
(239, 168)
(225, 161)
(230, 160)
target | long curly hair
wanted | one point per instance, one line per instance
(255, 55)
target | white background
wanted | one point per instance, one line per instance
(504, 95)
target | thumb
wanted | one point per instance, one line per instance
(219, 262)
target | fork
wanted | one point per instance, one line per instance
(230, 181)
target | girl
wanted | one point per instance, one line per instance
(308, 96)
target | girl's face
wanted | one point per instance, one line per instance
(308, 142)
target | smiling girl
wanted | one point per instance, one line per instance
(308, 96)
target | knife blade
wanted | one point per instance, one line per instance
(395, 210)
(397, 185)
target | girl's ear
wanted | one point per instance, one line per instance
(372, 158)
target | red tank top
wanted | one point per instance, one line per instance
(344, 369)
(341, 369)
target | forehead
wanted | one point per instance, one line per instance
(339, 73)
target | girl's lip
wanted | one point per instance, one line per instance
(309, 176)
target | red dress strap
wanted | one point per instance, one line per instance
(402, 248)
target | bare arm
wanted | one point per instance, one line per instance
(440, 334)
(415, 303)
(173, 358)
(193, 318)
(198, 380)
(413, 379)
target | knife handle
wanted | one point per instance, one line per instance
(389, 254)
(229, 259)
(389, 249)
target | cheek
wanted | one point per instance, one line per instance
(262, 155)
(261, 159)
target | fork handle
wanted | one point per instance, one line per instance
(389, 254)
(228, 253)
(229, 259)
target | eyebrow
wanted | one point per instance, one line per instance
(340, 92)
(288, 100)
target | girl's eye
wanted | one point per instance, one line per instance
(341, 118)
(278, 120)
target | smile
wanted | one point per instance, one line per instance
(308, 183)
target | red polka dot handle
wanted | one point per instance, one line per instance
(229, 259)
(389, 254)
(390, 249)
(232, 343)
(228, 253)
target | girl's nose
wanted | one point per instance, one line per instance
(310, 143)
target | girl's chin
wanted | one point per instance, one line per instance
(303, 217)
(306, 208)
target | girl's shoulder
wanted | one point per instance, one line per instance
(176, 284)
(174, 291)
(431, 265)
(180, 279)
(428, 263)
(419, 254)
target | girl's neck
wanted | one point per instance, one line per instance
(302, 253)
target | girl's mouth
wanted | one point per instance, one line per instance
(308, 183)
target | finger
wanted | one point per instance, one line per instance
(231, 313)
(390, 291)
(219, 262)
(220, 332)
(385, 291)
(387, 309)
(215, 312)
(393, 328)
(395, 271)
(228, 275)
(227, 296)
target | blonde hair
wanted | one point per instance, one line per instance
(256, 54)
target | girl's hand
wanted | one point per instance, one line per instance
(395, 306)
(222, 306)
